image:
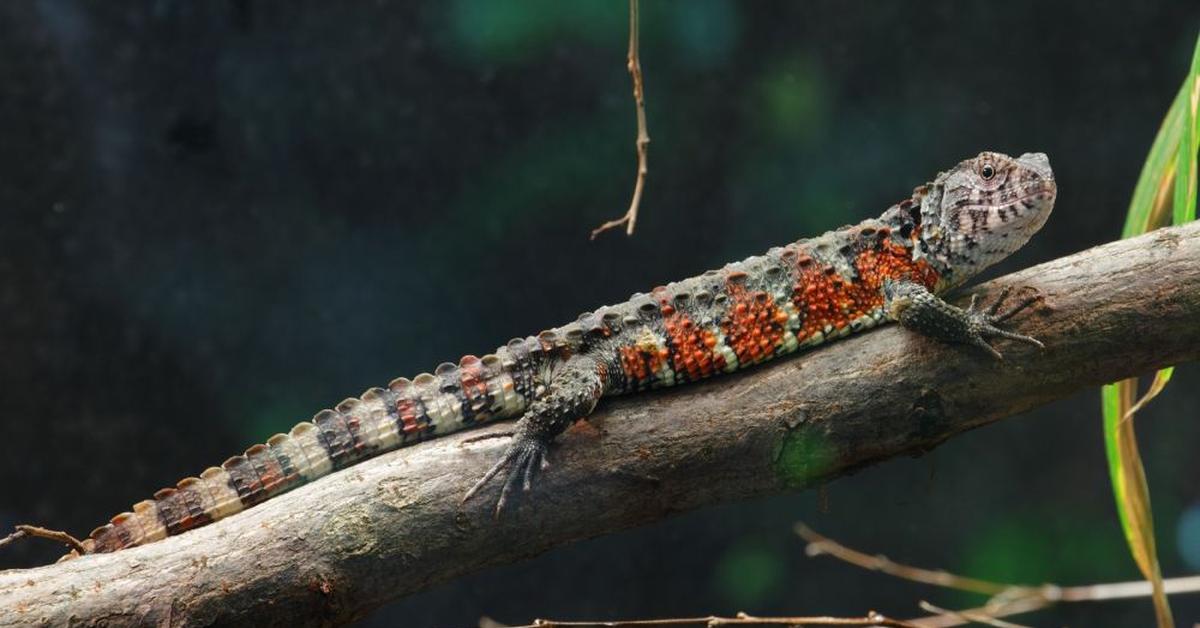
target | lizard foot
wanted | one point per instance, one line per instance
(523, 459)
(982, 321)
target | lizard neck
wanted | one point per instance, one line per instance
(914, 223)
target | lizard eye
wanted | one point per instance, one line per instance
(987, 172)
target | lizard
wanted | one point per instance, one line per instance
(894, 268)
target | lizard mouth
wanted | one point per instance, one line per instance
(1025, 199)
(1044, 191)
(1047, 193)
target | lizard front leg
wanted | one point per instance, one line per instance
(571, 394)
(915, 307)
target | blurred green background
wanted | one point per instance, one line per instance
(217, 218)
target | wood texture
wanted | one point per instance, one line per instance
(333, 550)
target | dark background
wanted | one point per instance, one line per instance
(219, 217)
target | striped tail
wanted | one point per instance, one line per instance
(456, 397)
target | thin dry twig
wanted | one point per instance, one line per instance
(1125, 590)
(1006, 599)
(818, 545)
(742, 619)
(969, 616)
(634, 64)
(25, 530)
(992, 610)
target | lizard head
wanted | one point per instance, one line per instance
(983, 210)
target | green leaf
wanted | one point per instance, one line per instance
(1126, 473)
(1174, 149)
(1185, 180)
(1150, 195)
(1131, 491)
(1168, 174)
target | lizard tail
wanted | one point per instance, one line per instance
(356, 429)
(383, 419)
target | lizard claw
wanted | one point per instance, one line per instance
(525, 456)
(983, 321)
(984, 331)
(995, 315)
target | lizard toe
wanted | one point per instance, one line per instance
(997, 314)
(528, 456)
(520, 463)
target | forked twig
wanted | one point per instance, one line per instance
(24, 530)
(968, 616)
(1006, 599)
(634, 64)
(818, 545)
(948, 618)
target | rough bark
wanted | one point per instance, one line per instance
(333, 550)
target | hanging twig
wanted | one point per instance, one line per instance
(633, 62)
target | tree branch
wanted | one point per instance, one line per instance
(333, 550)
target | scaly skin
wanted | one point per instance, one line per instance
(794, 297)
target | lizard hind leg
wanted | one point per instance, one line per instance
(571, 394)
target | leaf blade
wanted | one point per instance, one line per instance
(1131, 490)
(1184, 201)
(1152, 191)
(1168, 175)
